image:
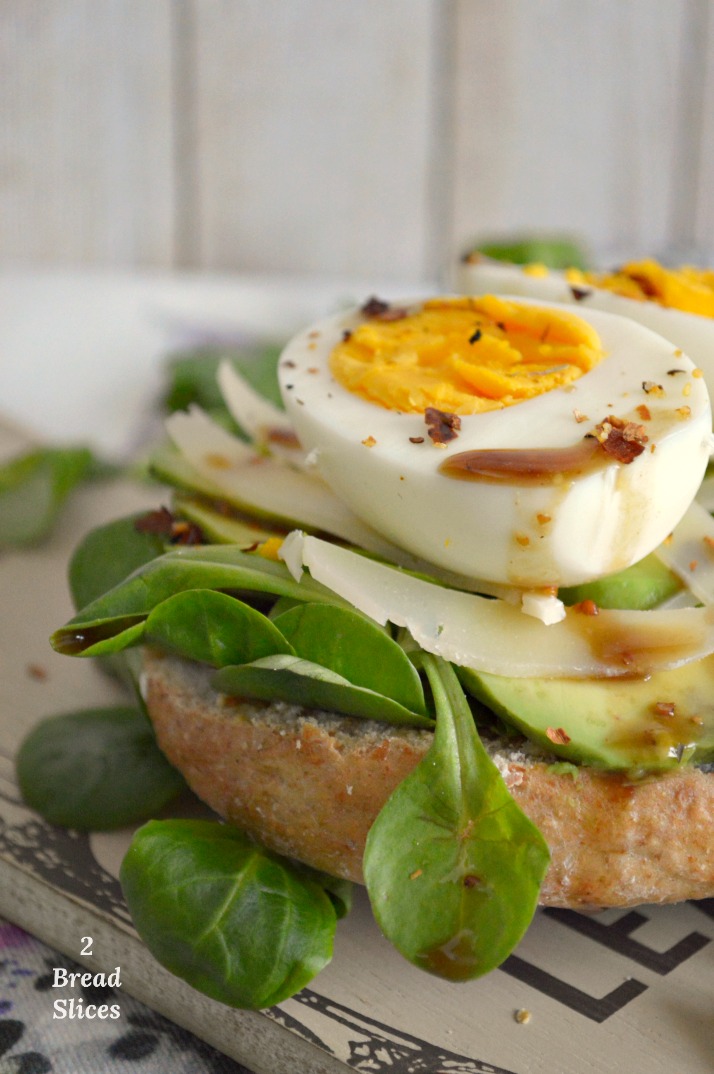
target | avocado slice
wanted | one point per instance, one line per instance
(642, 586)
(218, 526)
(634, 725)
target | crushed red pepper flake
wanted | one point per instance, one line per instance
(622, 440)
(217, 460)
(369, 441)
(645, 284)
(651, 388)
(37, 672)
(693, 564)
(587, 607)
(442, 426)
(644, 412)
(684, 412)
(286, 437)
(379, 310)
(709, 542)
(557, 735)
(664, 708)
(158, 522)
(579, 293)
(579, 416)
(162, 523)
(187, 533)
(416, 439)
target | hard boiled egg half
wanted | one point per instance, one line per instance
(520, 442)
(676, 303)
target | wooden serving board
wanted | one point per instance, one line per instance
(621, 990)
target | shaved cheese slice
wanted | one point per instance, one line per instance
(689, 552)
(262, 485)
(493, 635)
(270, 489)
(266, 425)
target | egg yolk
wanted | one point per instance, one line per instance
(464, 355)
(687, 288)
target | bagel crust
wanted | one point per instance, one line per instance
(310, 784)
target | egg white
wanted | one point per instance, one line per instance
(600, 522)
(690, 331)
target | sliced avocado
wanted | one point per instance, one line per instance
(219, 527)
(168, 465)
(636, 725)
(642, 586)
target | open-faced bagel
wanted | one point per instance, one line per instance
(309, 785)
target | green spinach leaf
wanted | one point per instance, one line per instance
(555, 251)
(192, 375)
(452, 865)
(224, 567)
(351, 645)
(107, 555)
(95, 770)
(339, 890)
(300, 682)
(33, 489)
(283, 604)
(235, 921)
(212, 627)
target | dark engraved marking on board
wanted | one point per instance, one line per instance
(706, 906)
(375, 1048)
(617, 937)
(597, 1009)
(59, 856)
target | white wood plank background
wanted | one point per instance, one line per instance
(372, 139)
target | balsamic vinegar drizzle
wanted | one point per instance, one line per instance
(542, 466)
